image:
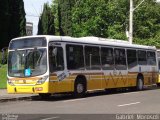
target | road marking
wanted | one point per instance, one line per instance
(50, 118)
(129, 104)
(74, 100)
(130, 93)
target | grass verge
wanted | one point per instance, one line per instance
(3, 76)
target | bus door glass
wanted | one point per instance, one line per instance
(56, 60)
(120, 72)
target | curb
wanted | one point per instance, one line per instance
(17, 99)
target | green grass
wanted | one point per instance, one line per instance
(3, 76)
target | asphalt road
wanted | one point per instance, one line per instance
(92, 106)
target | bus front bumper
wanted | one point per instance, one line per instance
(28, 89)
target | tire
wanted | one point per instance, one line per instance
(79, 88)
(140, 84)
(44, 95)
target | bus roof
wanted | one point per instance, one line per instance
(91, 40)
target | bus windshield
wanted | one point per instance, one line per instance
(28, 43)
(27, 63)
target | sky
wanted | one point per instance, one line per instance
(33, 9)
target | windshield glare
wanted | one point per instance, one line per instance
(27, 63)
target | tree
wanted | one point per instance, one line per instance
(62, 10)
(147, 20)
(4, 22)
(90, 18)
(118, 13)
(57, 18)
(65, 8)
(12, 20)
(108, 18)
(46, 21)
(17, 22)
(101, 18)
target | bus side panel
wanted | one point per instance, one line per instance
(94, 81)
(111, 80)
(108, 81)
(150, 77)
(65, 85)
(132, 79)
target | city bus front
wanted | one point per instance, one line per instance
(27, 65)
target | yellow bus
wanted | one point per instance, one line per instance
(46, 65)
(158, 57)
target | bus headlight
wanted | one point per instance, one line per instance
(42, 80)
(10, 82)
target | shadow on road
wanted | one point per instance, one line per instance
(69, 96)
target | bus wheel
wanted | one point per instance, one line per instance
(44, 95)
(140, 83)
(79, 88)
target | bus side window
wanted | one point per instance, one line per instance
(107, 58)
(75, 59)
(120, 59)
(92, 58)
(131, 58)
(56, 61)
(142, 60)
(151, 58)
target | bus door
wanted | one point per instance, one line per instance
(120, 72)
(56, 66)
(93, 67)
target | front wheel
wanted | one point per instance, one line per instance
(140, 84)
(79, 89)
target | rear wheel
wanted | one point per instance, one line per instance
(140, 83)
(79, 88)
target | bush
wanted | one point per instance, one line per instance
(3, 59)
(3, 76)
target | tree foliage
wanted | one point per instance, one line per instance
(108, 19)
(12, 20)
(89, 18)
(147, 23)
(46, 21)
(17, 21)
(62, 10)
(4, 22)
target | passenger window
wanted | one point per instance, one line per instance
(92, 57)
(107, 58)
(142, 60)
(120, 59)
(151, 58)
(75, 59)
(131, 58)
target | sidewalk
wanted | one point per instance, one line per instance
(4, 96)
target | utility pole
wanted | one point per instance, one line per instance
(131, 20)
